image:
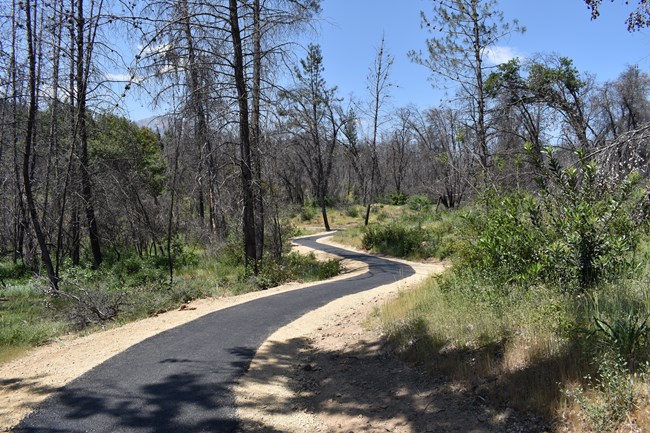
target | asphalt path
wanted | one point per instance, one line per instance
(181, 380)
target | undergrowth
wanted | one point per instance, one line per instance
(547, 305)
(132, 287)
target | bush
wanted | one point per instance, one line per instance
(307, 213)
(419, 202)
(295, 266)
(398, 240)
(507, 241)
(352, 211)
(398, 199)
(578, 232)
(611, 396)
(588, 223)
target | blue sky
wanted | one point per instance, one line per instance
(350, 32)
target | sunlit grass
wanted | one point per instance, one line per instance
(474, 342)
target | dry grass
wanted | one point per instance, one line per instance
(509, 355)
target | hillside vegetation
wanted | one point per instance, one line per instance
(546, 307)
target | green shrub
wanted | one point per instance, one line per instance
(295, 266)
(506, 239)
(352, 211)
(398, 199)
(612, 395)
(419, 202)
(578, 232)
(307, 213)
(397, 240)
(588, 221)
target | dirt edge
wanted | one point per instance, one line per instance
(265, 397)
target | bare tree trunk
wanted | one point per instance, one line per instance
(197, 106)
(170, 216)
(250, 249)
(52, 158)
(29, 143)
(481, 133)
(83, 57)
(21, 218)
(378, 83)
(255, 130)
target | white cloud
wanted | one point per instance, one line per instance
(153, 49)
(118, 77)
(122, 78)
(500, 54)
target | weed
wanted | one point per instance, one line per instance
(609, 397)
(625, 335)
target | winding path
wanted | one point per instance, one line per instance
(180, 381)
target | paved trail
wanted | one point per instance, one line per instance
(181, 380)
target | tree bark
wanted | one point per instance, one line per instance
(29, 143)
(248, 223)
(86, 187)
(256, 139)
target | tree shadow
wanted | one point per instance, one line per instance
(193, 397)
(365, 388)
(30, 384)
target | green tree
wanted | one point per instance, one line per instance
(552, 81)
(130, 175)
(462, 32)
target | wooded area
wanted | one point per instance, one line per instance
(254, 136)
(237, 150)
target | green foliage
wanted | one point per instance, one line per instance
(624, 335)
(546, 81)
(579, 231)
(307, 213)
(399, 240)
(398, 199)
(611, 396)
(507, 241)
(13, 271)
(25, 319)
(352, 211)
(419, 202)
(589, 222)
(295, 266)
(135, 151)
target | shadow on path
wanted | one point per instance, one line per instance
(180, 380)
